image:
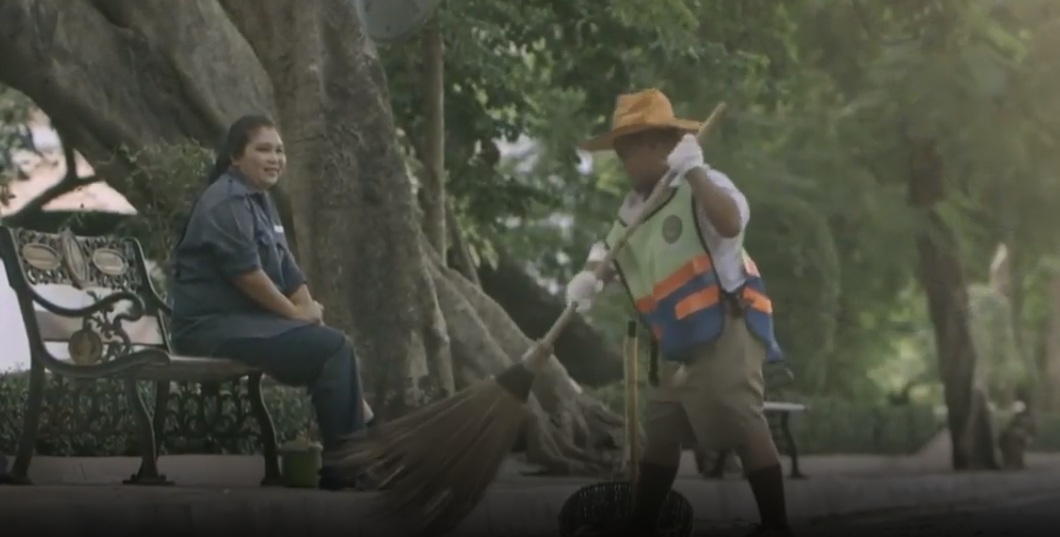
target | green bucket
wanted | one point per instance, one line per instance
(301, 464)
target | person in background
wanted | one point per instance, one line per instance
(238, 293)
(701, 295)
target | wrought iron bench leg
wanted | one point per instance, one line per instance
(148, 473)
(19, 474)
(268, 432)
(162, 388)
(793, 450)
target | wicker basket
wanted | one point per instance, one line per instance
(596, 505)
(600, 505)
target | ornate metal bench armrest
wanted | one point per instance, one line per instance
(157, 301)
(100, 305)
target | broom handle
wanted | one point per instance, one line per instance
(539, 354)
(632, 404)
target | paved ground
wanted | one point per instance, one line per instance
(220, 496)
(1028, 517)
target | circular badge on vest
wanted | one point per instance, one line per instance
(671, 228)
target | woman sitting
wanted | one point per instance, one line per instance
(238, 293)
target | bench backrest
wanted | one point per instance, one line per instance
(73, 271)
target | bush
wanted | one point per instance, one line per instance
(289, 408)
(833, 426)
(1048, 437)
(830, 427)
(841, 426)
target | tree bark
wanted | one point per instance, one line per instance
(352, 189)
(572, 433)
(581, 349)
(943, 281)
(117, 77)
(163, 73)
(432, 191)
(459, 253)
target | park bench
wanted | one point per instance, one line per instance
(778, 414)
(92, 314)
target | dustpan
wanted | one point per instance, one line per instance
(595, 506)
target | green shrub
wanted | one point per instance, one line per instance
(830, 426)
(841, 426)
(289, 408)
(834, 425)
(1048, 437)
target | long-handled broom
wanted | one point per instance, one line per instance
(435, 464)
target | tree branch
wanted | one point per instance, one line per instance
(433, 188)
(153, 48)
(70, 182)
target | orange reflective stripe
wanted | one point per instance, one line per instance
(697, 266)
(756, 300)
(646, 304)
(700, 300)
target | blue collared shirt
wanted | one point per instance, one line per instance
(234, 228)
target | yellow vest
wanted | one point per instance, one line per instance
(669, 274)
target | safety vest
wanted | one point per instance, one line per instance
(668, 272)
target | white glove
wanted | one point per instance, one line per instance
(685, 156)
(581, 288)
(597, 253)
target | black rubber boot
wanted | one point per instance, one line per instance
(653, 487)
(767, 484)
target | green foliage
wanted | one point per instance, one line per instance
(828, 100)
(842, 426)
(170, 176)
(1002, 366)
(1048, 437)
(837, 425)
(15, 111)
(289, 408)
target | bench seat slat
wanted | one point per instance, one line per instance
(192, 369)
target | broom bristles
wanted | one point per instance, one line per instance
(436, 463)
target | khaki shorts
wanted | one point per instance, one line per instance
(719, 405)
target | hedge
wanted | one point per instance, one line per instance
(833, 426)
(830, 426)
(289, 408)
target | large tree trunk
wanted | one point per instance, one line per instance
(943, 281)
(572, 433)
(586, 355)
(129, 73)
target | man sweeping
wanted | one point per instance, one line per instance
(704, 301)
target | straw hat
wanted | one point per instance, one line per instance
(636, 112)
